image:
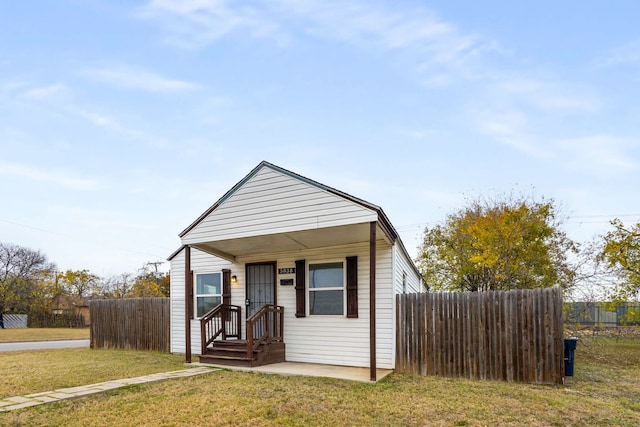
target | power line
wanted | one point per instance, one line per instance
(33, 228)
(421, 225)
(604, 216)
(75, 237)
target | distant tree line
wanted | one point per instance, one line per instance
(30, 283)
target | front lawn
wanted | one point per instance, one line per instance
(605, 391)
(25, 372)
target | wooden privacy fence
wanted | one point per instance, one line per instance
(63, 320)
(131, 323)
(498, 335)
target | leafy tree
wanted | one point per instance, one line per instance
(620, 256)
(502, 244)
(165, 284)
(150, 282)
(78, 283)
(24, 278)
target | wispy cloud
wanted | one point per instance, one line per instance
(45, 92)
(59, 97)
(548, 95)
(600, 154)
(628, 53)
(196, 23)
(61, 179)
(378, 25)
(112, 124)
(127, 77)
(97, 119)
(511, 129)
(440, 52)
(519, 111)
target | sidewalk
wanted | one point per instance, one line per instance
(19, 402)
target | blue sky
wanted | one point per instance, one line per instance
(122, 121)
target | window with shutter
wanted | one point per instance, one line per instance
(208, 292)
(326, 288)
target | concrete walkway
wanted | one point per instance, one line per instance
(19, 402)
(310, 370)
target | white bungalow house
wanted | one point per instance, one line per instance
(311, 271)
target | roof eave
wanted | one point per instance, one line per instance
(174, 254)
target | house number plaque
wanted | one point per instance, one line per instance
(291, 270)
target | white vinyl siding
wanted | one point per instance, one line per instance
(404, 265)
(336, 340)
(177, 309)
(339, 340)
(271, 202)
(200, 263)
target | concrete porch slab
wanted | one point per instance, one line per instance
(308, 369)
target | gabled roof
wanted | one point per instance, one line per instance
(384, 222)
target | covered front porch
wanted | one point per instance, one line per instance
(263, 339)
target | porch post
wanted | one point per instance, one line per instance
(188, 302)
(372, 300)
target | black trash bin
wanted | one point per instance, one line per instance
(570, 345)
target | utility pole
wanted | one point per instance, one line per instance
(155, 265)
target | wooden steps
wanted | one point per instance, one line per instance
(234, 353)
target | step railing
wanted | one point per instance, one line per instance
(265, 326)
(221, 321)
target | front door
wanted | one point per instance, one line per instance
(261, 286)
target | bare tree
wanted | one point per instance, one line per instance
(23, 275)
(117, 286)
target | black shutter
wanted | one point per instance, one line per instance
(352, 286)
(301, 308)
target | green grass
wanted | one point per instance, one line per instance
(605, 391)
(25, 372)
(42, 334)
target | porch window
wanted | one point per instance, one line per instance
(326, 288)
(208, 292)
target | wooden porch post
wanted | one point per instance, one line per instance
(188, 302)
(372, 300)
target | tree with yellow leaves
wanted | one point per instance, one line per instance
(150, 282)
(503, 244)
(620, 257)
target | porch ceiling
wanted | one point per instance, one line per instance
(290, 241)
